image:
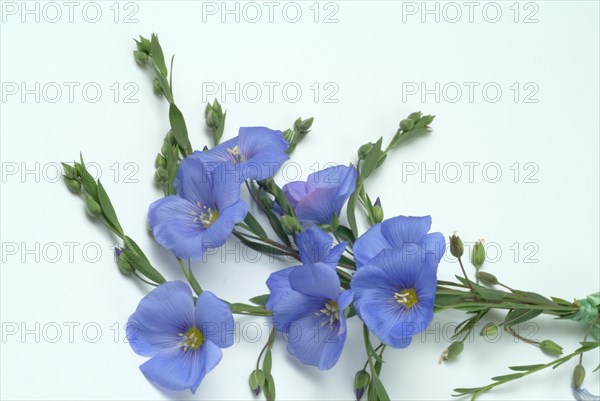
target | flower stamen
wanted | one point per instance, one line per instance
(205, 215)
(235, 153)
(192, 339)
(407, 298)
(331, 311)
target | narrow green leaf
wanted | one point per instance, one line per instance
(140, 262)
(267, 362)
(522, 368)
(269, 388)
(382, 395)
(263, 248)
(89, 183)
(351, 213)
(464, 390)
(255, 226)
(371, 160)
(511, 376)
(107, 209)
(517, 316)
(157, 55)
(179, 128)
(345, 234)
(260, 299)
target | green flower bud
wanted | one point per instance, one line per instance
(290, 225)
(377, 211)
(144, 45)
(73, 185)
(364, 150)
(69, 171)
(217, 107)
(256, 380)
(158, 89)
(306, 124)
(416, 116)
(77, 170)
(161, 175)
(92, 206)
(452, 351)
(578, 375)
(160, 161)
(478, 255)
(207, 109)
(123, 263)
(407, 124)
(456, 246)
(489, 330)
(288, 135)
(361, 382)
(140, 57)
(551, 348)
(212, 120)
(171, 138)
(487, 278)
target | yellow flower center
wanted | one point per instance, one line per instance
(407, 298)
(205, 215)
(330, 311)
(192, 339)
(235, 153)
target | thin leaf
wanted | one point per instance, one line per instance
(157, 55)
(255, 226)
(511, 376)
(179, 128)
(371, 160)
(522, 368)
(260, 299)
(140, 262)
(107, 209)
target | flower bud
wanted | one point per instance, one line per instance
(377, 211)
(578, 375)
(551, 348)
(92, 206)
(140, 57)
(207, 109)
(407, 124)
(478, 255)
(361, 382)
(290, 225)
(158, 89)
(306, 124)
(73, 185)
(364, 150)
(452, 351)
(123, 263)
(161, 175)
(217, 107)
(487, 278)
(69, 171)
(456, 246)
(416, 116)
(144, 45)
(160, 161)
(212, 120)
(256, 380)
(489, 330)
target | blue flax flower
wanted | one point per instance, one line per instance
(323, 194)
(184, 341)
(394, 295)
(314, 245)
(202, 214)
(256, 153)
(407, 233)
(310, 310)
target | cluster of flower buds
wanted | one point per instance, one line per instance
(294, 135)
(215, 120)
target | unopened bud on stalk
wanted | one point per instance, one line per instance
(407, 124)
(489, 330)
(290, 225)
(361, 382)
(158, 89)
(161, 175)
(578, 375)
(140, 57)
(256, 381)
(478, 255)
(212, 120)
(364, 150)
(456, 246)
(160, 161)
(73, 185)
(487, 278)
(551, 348)
(123, 263)
(452, 351)
(377, 211)
(92, 206)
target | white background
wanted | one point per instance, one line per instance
(372, 55)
